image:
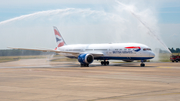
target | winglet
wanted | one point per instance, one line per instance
(59, 39)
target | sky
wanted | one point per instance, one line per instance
(29, 23)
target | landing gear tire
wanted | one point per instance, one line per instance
(176, 60)
(104, 63)
(107, 62)
(142, 65)
(84, 65)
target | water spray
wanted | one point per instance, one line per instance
(36, 14)
(79, 18)
(143, 23)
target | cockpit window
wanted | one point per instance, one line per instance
(146, 49)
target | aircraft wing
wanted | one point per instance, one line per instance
(95, 54)
(43, 50)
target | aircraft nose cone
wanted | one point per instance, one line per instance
(151, 54)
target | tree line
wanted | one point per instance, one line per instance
(177, 50)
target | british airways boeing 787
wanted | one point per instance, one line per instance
(86, 53)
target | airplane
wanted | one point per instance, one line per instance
(87, 53)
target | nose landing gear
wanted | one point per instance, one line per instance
(142, 63)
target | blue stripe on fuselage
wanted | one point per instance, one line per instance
(123, 58)
(118, 58)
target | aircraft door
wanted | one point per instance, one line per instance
(110, 50)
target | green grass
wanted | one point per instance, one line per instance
(175, 53)
(7, 59)
(63, 59)
(164, 57)
(15, 58)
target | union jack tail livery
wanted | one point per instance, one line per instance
(59, 39)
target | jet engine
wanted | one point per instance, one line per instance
(85, 58)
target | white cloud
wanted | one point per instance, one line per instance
(81, 25)
(171, 34)
(41, 2)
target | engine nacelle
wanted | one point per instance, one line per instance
(85, 58)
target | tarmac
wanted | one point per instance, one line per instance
(42, 80)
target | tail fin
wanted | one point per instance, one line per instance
(59, 39)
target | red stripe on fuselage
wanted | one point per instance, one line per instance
(132, 47)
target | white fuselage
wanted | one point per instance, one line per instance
(116, 51)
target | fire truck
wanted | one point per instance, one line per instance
(175, 58)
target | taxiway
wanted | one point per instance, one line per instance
(41, 80)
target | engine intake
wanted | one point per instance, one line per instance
(85, 58)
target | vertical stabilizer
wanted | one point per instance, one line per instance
(59, 39)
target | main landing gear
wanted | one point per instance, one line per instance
(142, 63)
(84, 65)
(105, 63)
